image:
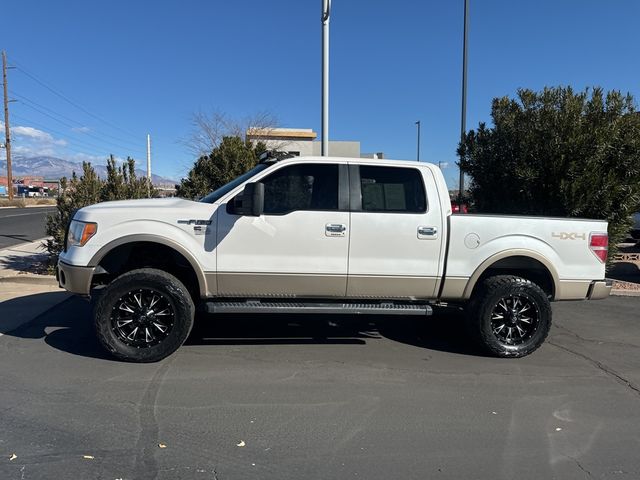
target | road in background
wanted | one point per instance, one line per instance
(289, 397)
(20, 225)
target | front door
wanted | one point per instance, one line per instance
(298, 247)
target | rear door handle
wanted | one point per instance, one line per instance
(427, 232)
(335, 229)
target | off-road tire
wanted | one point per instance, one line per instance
(484, 304)
(173, 293)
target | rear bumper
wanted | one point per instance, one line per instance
(599, 289)
(73, 278)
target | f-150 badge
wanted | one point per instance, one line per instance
(199, 226)
(569, 236)
(195, 222)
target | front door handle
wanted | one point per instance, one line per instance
(427, 232)
(335, 229)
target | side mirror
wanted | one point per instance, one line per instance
(251, 201)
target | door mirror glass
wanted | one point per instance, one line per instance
(251, 201)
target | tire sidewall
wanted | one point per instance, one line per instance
(175, 293)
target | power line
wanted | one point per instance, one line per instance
(71, 141)
(68, 100)
(77, 124)
(110, 143)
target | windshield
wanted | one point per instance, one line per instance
(216, 194)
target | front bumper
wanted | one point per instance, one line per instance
(73, 278)
(599, 289)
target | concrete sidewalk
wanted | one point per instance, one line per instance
(26, 259)
(25, 295)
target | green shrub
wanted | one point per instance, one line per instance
(88, 189)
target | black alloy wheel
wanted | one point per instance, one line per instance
(142, 318)
(514, 319)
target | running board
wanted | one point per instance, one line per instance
(257, 306)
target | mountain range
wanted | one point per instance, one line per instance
(52, 167)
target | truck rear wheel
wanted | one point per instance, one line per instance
(144, 315)
(509, 316)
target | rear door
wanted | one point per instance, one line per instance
(299, 246)
(396, 232)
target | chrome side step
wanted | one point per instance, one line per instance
(273, 306)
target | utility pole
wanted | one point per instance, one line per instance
(326, 12)
(7, 130)
(149, 157)
(418, 155)
(148, 165)
(463, 120)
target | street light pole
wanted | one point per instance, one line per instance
(463, 119)
(326, 12)
(418, 155)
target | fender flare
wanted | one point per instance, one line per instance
(142, 237)
(520, 252)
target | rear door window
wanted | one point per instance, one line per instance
(392, 189)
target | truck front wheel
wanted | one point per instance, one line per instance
(509, 316)
(144, 315)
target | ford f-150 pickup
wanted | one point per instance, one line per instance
(325, 235)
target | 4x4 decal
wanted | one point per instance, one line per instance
(569, 236)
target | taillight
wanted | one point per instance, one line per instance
(599, 245)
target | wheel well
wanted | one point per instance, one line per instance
(521, 266)
(134, 255)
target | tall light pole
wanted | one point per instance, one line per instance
(418, 155)
(463, 119)
(326, 13)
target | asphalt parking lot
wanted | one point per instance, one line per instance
(292, 398)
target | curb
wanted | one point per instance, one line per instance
(31, 206)
(625, 293)
(32, 279)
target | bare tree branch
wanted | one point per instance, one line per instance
(208, 129)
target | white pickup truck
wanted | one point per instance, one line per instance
(325, 235)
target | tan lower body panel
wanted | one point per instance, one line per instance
(319, 285)
(572, 290)
(454, 288)
(378, 286)
(279, 285)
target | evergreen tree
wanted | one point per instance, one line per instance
(230, 159)
(121, 184)
(558, 153)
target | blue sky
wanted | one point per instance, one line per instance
(138, 67)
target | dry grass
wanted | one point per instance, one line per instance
(23, 202)
(16, 202)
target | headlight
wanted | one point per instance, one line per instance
(80, 233)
